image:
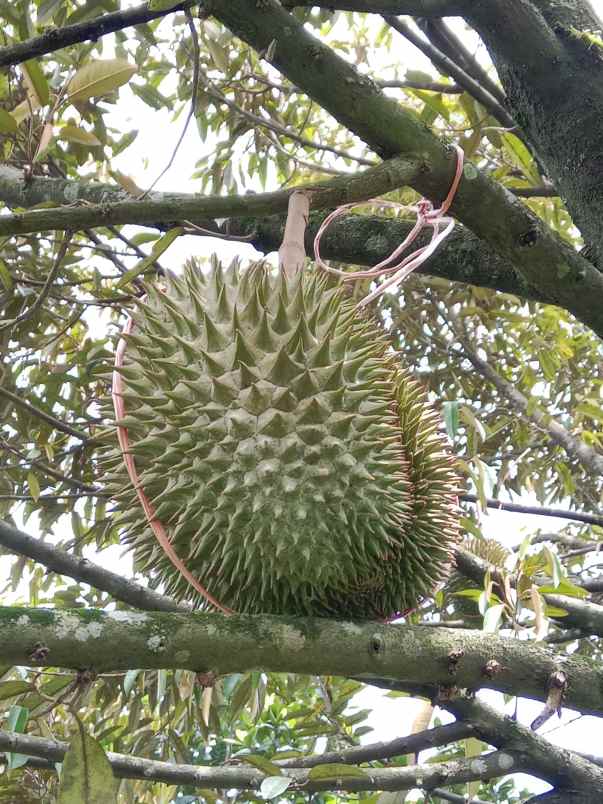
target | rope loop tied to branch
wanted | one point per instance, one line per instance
(440, 223)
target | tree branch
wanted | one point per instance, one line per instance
(121, 640)
(587, 616)
(106, 206)
(449, 67)
(56, 424)
(355, 239)
(538, 510)
(80, 569)
(560, 767)
(243, 777)
(388, 129)
(412, 744)
(57, 38)
(415, 8)
(445, 40)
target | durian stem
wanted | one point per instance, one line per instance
(292, 252)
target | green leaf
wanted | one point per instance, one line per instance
(86, 777)
(8, 689)
(17, 721)
(554, 567)
(492, 618)
(336, 770)
(261, 763)
(34, 486)
(160, 246)
(8, 124)
(451, 418)
(98, 78)
(520, 156)
(46, 11)
(37, 85)
(78, 135)
(565, 587)
(273, 786)
(130, 680)
(5, 276)
(218, 54)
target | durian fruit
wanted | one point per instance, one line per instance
(295, 466)
(489, 550)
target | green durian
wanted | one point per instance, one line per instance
(295, 465)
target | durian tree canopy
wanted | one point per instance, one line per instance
(296, 467)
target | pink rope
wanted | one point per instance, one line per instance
(440, 224)
(122, 434)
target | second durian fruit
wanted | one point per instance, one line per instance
(296, 467)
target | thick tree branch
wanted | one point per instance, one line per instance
(355, 239)
(554, 85)
(80, 569)
(243, 777)
(122, 640)
(560, 767)
(103, 208)
(357, 103)
(56, 38)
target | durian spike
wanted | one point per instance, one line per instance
(292, 252)
(122, 434)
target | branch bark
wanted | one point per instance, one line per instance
(122, 640)
(554, 85)
(426, 776)
(415, 8)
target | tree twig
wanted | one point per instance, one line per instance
(537, 510)
(590, 459)
(81, 569)
(57, 424)
(446, 65)
(58, 38)
(52, 275)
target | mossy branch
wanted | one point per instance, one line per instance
(123, 640)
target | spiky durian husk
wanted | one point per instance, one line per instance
(296, 467)
(489, 550)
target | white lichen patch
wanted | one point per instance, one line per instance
(156, 643)
(293, 639)
(505, 761)
(69, 626)
(72, 192)
(351, 629)
(129, 617)
(478, 766)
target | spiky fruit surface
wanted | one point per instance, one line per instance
(295, 467)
